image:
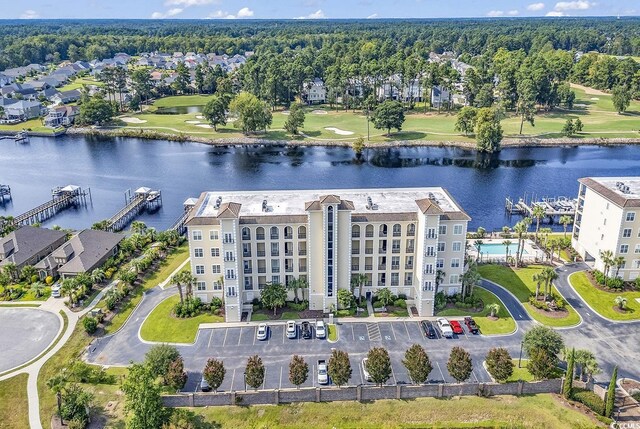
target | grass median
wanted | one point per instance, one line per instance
(14, 408)
(602, 301)
(162, 326)
(503, 325)
(519, 281)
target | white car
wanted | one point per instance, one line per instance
(445, 327)
(55, 291)
(365, 373)
(263, 331)
(321, 329)
(323, 375)
(292, 329)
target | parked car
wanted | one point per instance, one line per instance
(456, 327)
(444, 327)
(55, 291)
(292, 329)
(263, 332)
(471, 325)
(365, 373)
(323, 375)
(204, 386)
(305, 328)
(321, 329)
(428, 329)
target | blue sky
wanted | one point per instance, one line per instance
(316, 9)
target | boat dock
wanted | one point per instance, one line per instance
(61, 198)
(20, 137)
(142, 198)
(5, 193)
(179, 225)
(553, 206)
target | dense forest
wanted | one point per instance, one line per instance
(23, 42)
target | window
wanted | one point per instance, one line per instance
(395, 279)
(431, 251)
(431, 233)
(395, 263)
(231, 274)
(636, 263)
(274, 234)
(288, 233)
(246, 233)
(631, 216)
(624, 248)
(231, 291)
(442, 229)
(228, 237)
(248, 283)
(275, 249)
(411, 229)
(302, 232)
(260, 233)
(441, 247)
(217, 285)
(455, 278)
(275, 266)
(215, 269)
(201, 286)
(637, 249)
(197, 235)
(455, 263)
(329, 250)
(355, 231)
(397, 230)
(228, 256)
(428, 285)
(246, 250)
(213, 235)
(626, 233)
(428, 269)
(457, 229)
(440, 263)
(200, 269)
(215, 252)
(198, 253)
(457, 246)
(275, 279)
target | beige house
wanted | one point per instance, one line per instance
(399, 238)
(608, 218)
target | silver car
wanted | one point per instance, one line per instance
(263, 332)
(365, 373)
(292, 329)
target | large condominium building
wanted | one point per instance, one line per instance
(608, 218)
(407, 240)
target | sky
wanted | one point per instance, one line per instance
(312, 9)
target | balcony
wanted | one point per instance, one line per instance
(288, 253)
(355, 251)
(259, 236)
(355, 235)
(395, 283)
(368, 267)
(288, 269)
(228, 240)
(409, 250)
(288, 236)
(248, 270)
(411, 232)
(382, 250)
(432, 236)
(395, 250)
(408, 266)
(369, 234)
(260, 253)
(382, 266)
(275, 253)
(395, 267)
(274, 237)
(246, 254)
(229, 258)
(302, 252)
(397, 233)
(355, 267)
(302, 236)
(381, 283)
(302, 268)
(368, 251)
(246, 237)
(369, 283)
(430, 253)
(382, 234)
(262, 270)
(408, 282)
(275, 269)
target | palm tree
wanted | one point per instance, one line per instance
(37, 288)
(607, 260)
(27, 272)
(177, 280)
(539, 279)
(494, 308)
(293, 285)
(470, 279)
(549, 275)
(621, 302)
(67, 288)
(565, 221)
(12, 271)
(478, 245)
(360, 280)
(619, 262)
(506, 244)
(538, 213)
(520, 229)
(98, 275)
(56, 384)
(189, 280)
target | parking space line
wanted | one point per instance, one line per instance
(362, 380)
(394, 376)
(264, 380)
(210, 336)
(393, 332)
(406, 328)
(313, 375)
(233, 377)
(240, 336)
(284, 334)
(224, 342)
(474, 376)
(280, 377)
(441, 373)
(353, 334)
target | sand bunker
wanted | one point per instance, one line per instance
(319, 112)
(193, 122)
(286, 112)
(204, 126)
(133, 120)
(339, 131)
(199, 117)
(595, 98)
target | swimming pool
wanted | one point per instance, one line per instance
(499, 249)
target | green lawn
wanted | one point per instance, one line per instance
(504, 325)
(168, 266)
(465, 412)
(182, 100)
(162, 326)
(14, 410)
(602, 302)
(259, 317)
(34, 125)
(523, 373)
(520, 283)
(79, 83)
(333, 332)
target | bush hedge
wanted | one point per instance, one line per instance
(590, 399)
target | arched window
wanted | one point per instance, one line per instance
(302, 232)
(246, 233)
(411, 229)
(260, 233)
(355, 231)
(383, 230)
(288, 233)
(369, 231)
(397, 230)
(274, 233)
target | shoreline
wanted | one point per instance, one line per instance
(525, 142)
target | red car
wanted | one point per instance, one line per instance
(456, 327)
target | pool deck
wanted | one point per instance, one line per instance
(531, 251)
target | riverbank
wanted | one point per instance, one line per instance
(261, 141)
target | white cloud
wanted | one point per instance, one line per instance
(555, 13)
(30, 14)
(535, 7)
(171, 12)
(372, 16)
(513, 12)
(573, 5)
(187, 3)
(495, 13)
(318, 14)
(245, 12)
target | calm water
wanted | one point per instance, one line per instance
(181, 170)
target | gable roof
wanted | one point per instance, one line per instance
(427, 206)
(89, 248)
(28, 241)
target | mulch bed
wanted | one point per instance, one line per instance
(619, 310)
(555, 314)
(595, 284)
(468, 309)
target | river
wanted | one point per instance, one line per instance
(109, 166)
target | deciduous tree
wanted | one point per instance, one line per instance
(214, 373)
(459, 364)
(254, 372)
(339, 367)
(499, 364)
(379, 365)
(298, 371)
(417, 363)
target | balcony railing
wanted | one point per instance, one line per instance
(368, 267)
(302, 268)
(409, 250)
(355, 267)
(262, 270)
(432, 236)
(228, 240)
(408, 266)
(260, 253)
(274, 237)
(259, 236)
(231, 293)
(382, 250)
(246, 254)
(248, 270)
(355, 235)
(368, 251)
(382, 266)
(381, 283)
(397, 233)
(395, 267)
(246, 237)
(275, 253)
(229, 258)
(288, 269)
(302, 236)
(368, 234)
(408, 282)
(382, 234)
(288, 253)
(395, 250)
(275, 269)
(355, 251)
(411, 232)
(230, 276)
(302, 252)
(395, 283)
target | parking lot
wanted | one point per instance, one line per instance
(234, 345)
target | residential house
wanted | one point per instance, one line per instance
(395, 89)
(440, 97)
(65, 97)
(61, 116)
(28, 245)
(314, 92)
(5, 80)
(4, 102)
(23, 110)
(84, 252)
(49, 93)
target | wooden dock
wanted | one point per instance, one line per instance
(5, 193)
(553, 206)
(142, 198)
(20, 137)
(179, 225)
(62, 198)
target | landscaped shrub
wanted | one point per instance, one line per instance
(49, 280)
(440, 301)
(378, 304)
(590, 399)
(216, 303)
(301, 306)
(90, 324)
(615, 283)
(541, 305)
(402, 296)
(190, 307)
(400, 303)
(598, 276)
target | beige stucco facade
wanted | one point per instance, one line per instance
(608, 218)
(399, 238)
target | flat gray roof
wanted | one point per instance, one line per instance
(623, 191)
(292, 202)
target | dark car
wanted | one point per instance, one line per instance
(471, 325)
(204, 386)
(429, 330)
(305, 329)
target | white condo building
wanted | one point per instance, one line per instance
(399, 238)
(608, 218)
